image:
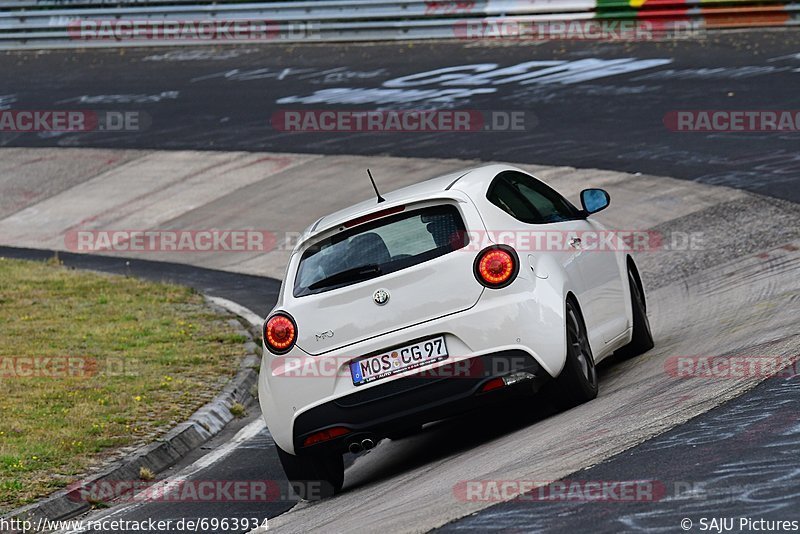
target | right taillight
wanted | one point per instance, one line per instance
(280, 333)
(496, 266)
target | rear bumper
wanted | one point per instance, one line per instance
(408, 402)
(526, 318)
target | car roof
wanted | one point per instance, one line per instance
(432, 188)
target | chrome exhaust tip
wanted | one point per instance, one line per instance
(367, 444)
(515, 378)
(356, 447)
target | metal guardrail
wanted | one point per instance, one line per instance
(56, 23)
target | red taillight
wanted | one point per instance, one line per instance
(280, 333)
(494, 383)
(325, 435)
(496, 266)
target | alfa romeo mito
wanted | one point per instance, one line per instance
(442, 297)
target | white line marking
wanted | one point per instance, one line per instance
(218, 454)
(249, 315)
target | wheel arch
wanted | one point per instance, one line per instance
(570, 296)
(635, 272)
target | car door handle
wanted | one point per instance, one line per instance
(575, 242)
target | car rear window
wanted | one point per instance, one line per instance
(383, 246)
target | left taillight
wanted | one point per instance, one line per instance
(496, 266)
(280, 333)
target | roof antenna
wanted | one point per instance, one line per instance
(375, 187)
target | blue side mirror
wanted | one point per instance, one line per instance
(594, 200)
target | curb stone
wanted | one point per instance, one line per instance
(166, 451)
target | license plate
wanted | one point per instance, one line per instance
(398, 360)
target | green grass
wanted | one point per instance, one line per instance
(137, 358)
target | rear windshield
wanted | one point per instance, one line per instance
(380, 247)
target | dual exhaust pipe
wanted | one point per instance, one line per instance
(364, 445)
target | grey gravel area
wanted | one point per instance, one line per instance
(759, 223)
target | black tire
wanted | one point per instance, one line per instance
(642, 339)
(313, 477)
(577, 382)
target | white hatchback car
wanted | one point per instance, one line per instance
(446, 295)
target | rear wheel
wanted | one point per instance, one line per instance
(642, 338)
(577, 382)
(313, 477)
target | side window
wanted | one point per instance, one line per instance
(503, 195)
(529, 200)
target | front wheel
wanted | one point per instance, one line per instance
(577, 382)
(313, 477)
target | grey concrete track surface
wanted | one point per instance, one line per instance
(589, 104)
(735, 296)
